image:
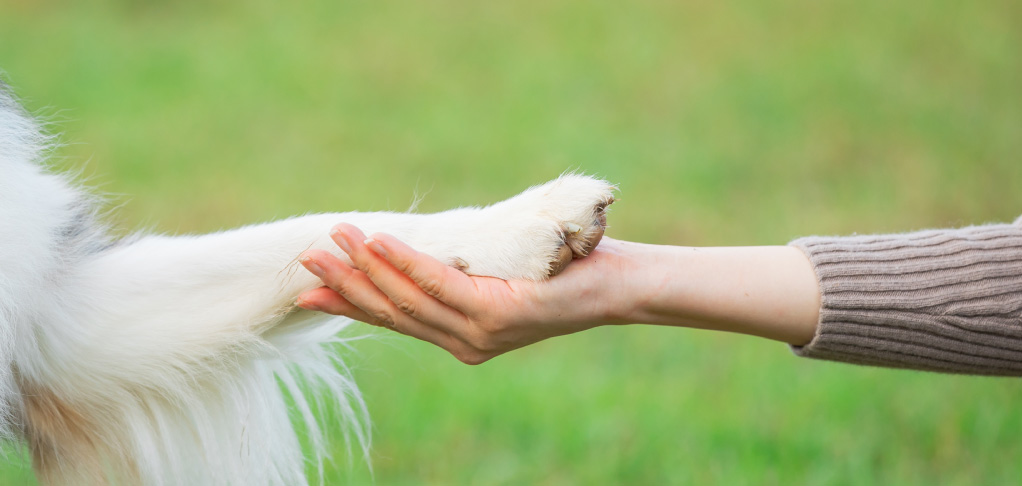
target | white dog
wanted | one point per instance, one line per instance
(183, 360)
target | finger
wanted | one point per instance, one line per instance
(406, 295)
(441, 281)
(377, 309)
(334, 273)
(325, 299)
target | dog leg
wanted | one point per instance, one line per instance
(169, 359)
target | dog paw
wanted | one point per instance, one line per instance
(535, 234)
(581, 227)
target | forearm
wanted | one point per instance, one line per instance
(768, 291)
(941, 300)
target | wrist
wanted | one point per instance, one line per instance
(632, 277)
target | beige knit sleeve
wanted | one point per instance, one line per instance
(938, 300)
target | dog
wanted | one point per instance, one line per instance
(157, 359)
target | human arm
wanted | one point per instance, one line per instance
(764, 291)
(946, 300)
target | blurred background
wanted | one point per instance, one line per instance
(723, 123)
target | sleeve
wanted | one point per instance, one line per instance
(939, 300)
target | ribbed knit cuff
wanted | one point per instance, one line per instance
(938, 300)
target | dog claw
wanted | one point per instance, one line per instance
(564, 257)
(572, 228)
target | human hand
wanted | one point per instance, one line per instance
(473, 318)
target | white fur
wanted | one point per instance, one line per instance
(170, 360)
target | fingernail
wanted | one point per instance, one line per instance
(340, 240)
(376, 247)
(312, 266)
(307, 306)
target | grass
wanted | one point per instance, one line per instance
(724, 123)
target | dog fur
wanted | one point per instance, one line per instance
(182, 359)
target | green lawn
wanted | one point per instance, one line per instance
(724, 123)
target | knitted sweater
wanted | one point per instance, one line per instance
(938, 300)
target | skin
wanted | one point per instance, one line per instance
(769, 291)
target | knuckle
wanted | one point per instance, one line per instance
(432, 286)
(343, 286)
(384, 319)
(403, 265)
(405, 305)
(338, 286)
(370, 272)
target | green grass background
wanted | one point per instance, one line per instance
(724, 123)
